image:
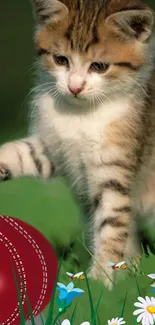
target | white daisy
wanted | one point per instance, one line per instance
(152, 276)
(67, 322)
(146, 310)
(116, 321)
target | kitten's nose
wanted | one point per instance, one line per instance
(75, 90)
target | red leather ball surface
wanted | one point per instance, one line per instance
(27, 253)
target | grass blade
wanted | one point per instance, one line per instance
(41, 318)
(55, 321)
(98, 319)
(95, 260)
(51, 306)
(29, 306)
(149, 251)
(22, 317)
(96, 310)
(90, 296)
(73, 315)
(138, 288)
(122, 313)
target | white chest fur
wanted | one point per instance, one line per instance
(75, 139)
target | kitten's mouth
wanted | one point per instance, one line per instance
(76, 99)
(79, 97)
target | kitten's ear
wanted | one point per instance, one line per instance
(136, 24)
(49, 10)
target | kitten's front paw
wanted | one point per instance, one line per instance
(104, 274)
(4, 172)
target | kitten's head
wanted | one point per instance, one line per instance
(92, 48)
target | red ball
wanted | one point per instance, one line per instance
(26, 251)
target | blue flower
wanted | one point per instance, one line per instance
(68, 292)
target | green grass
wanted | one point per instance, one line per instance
(49, 207)
(97, 305)
(53, 203)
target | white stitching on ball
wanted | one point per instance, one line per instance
(23, 232)
(21, 271)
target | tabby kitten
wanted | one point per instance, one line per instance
(93, 118)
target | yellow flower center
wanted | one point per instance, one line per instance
(151, 309)
(114, 324)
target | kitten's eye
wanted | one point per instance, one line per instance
(99, 66)
(61, 60)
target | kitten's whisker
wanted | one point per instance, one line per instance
(90, 101)
(103, 95)
(32, 66)
(34, 108)
(137, 83)
(55, 93)
(46, 94)
(57, 99)
(56, 96)
(93, 101)
(99, 99)
(33, 89)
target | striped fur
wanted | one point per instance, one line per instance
(28, 158)
(103, 147)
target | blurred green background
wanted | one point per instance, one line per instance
(47, 206)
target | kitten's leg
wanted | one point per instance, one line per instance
(25, 157)
(114, 230)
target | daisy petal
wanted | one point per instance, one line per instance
(139, 318)
(142, 300)
(152, 276)
(85, 323)
(153, 300)
(138, 311)
(66, 322)
(144, 320)
(138, 304)
(147, 320)
(150, 319)
(148, 300)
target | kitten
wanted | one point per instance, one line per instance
(93, 118)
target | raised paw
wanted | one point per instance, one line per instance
(4, 173)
